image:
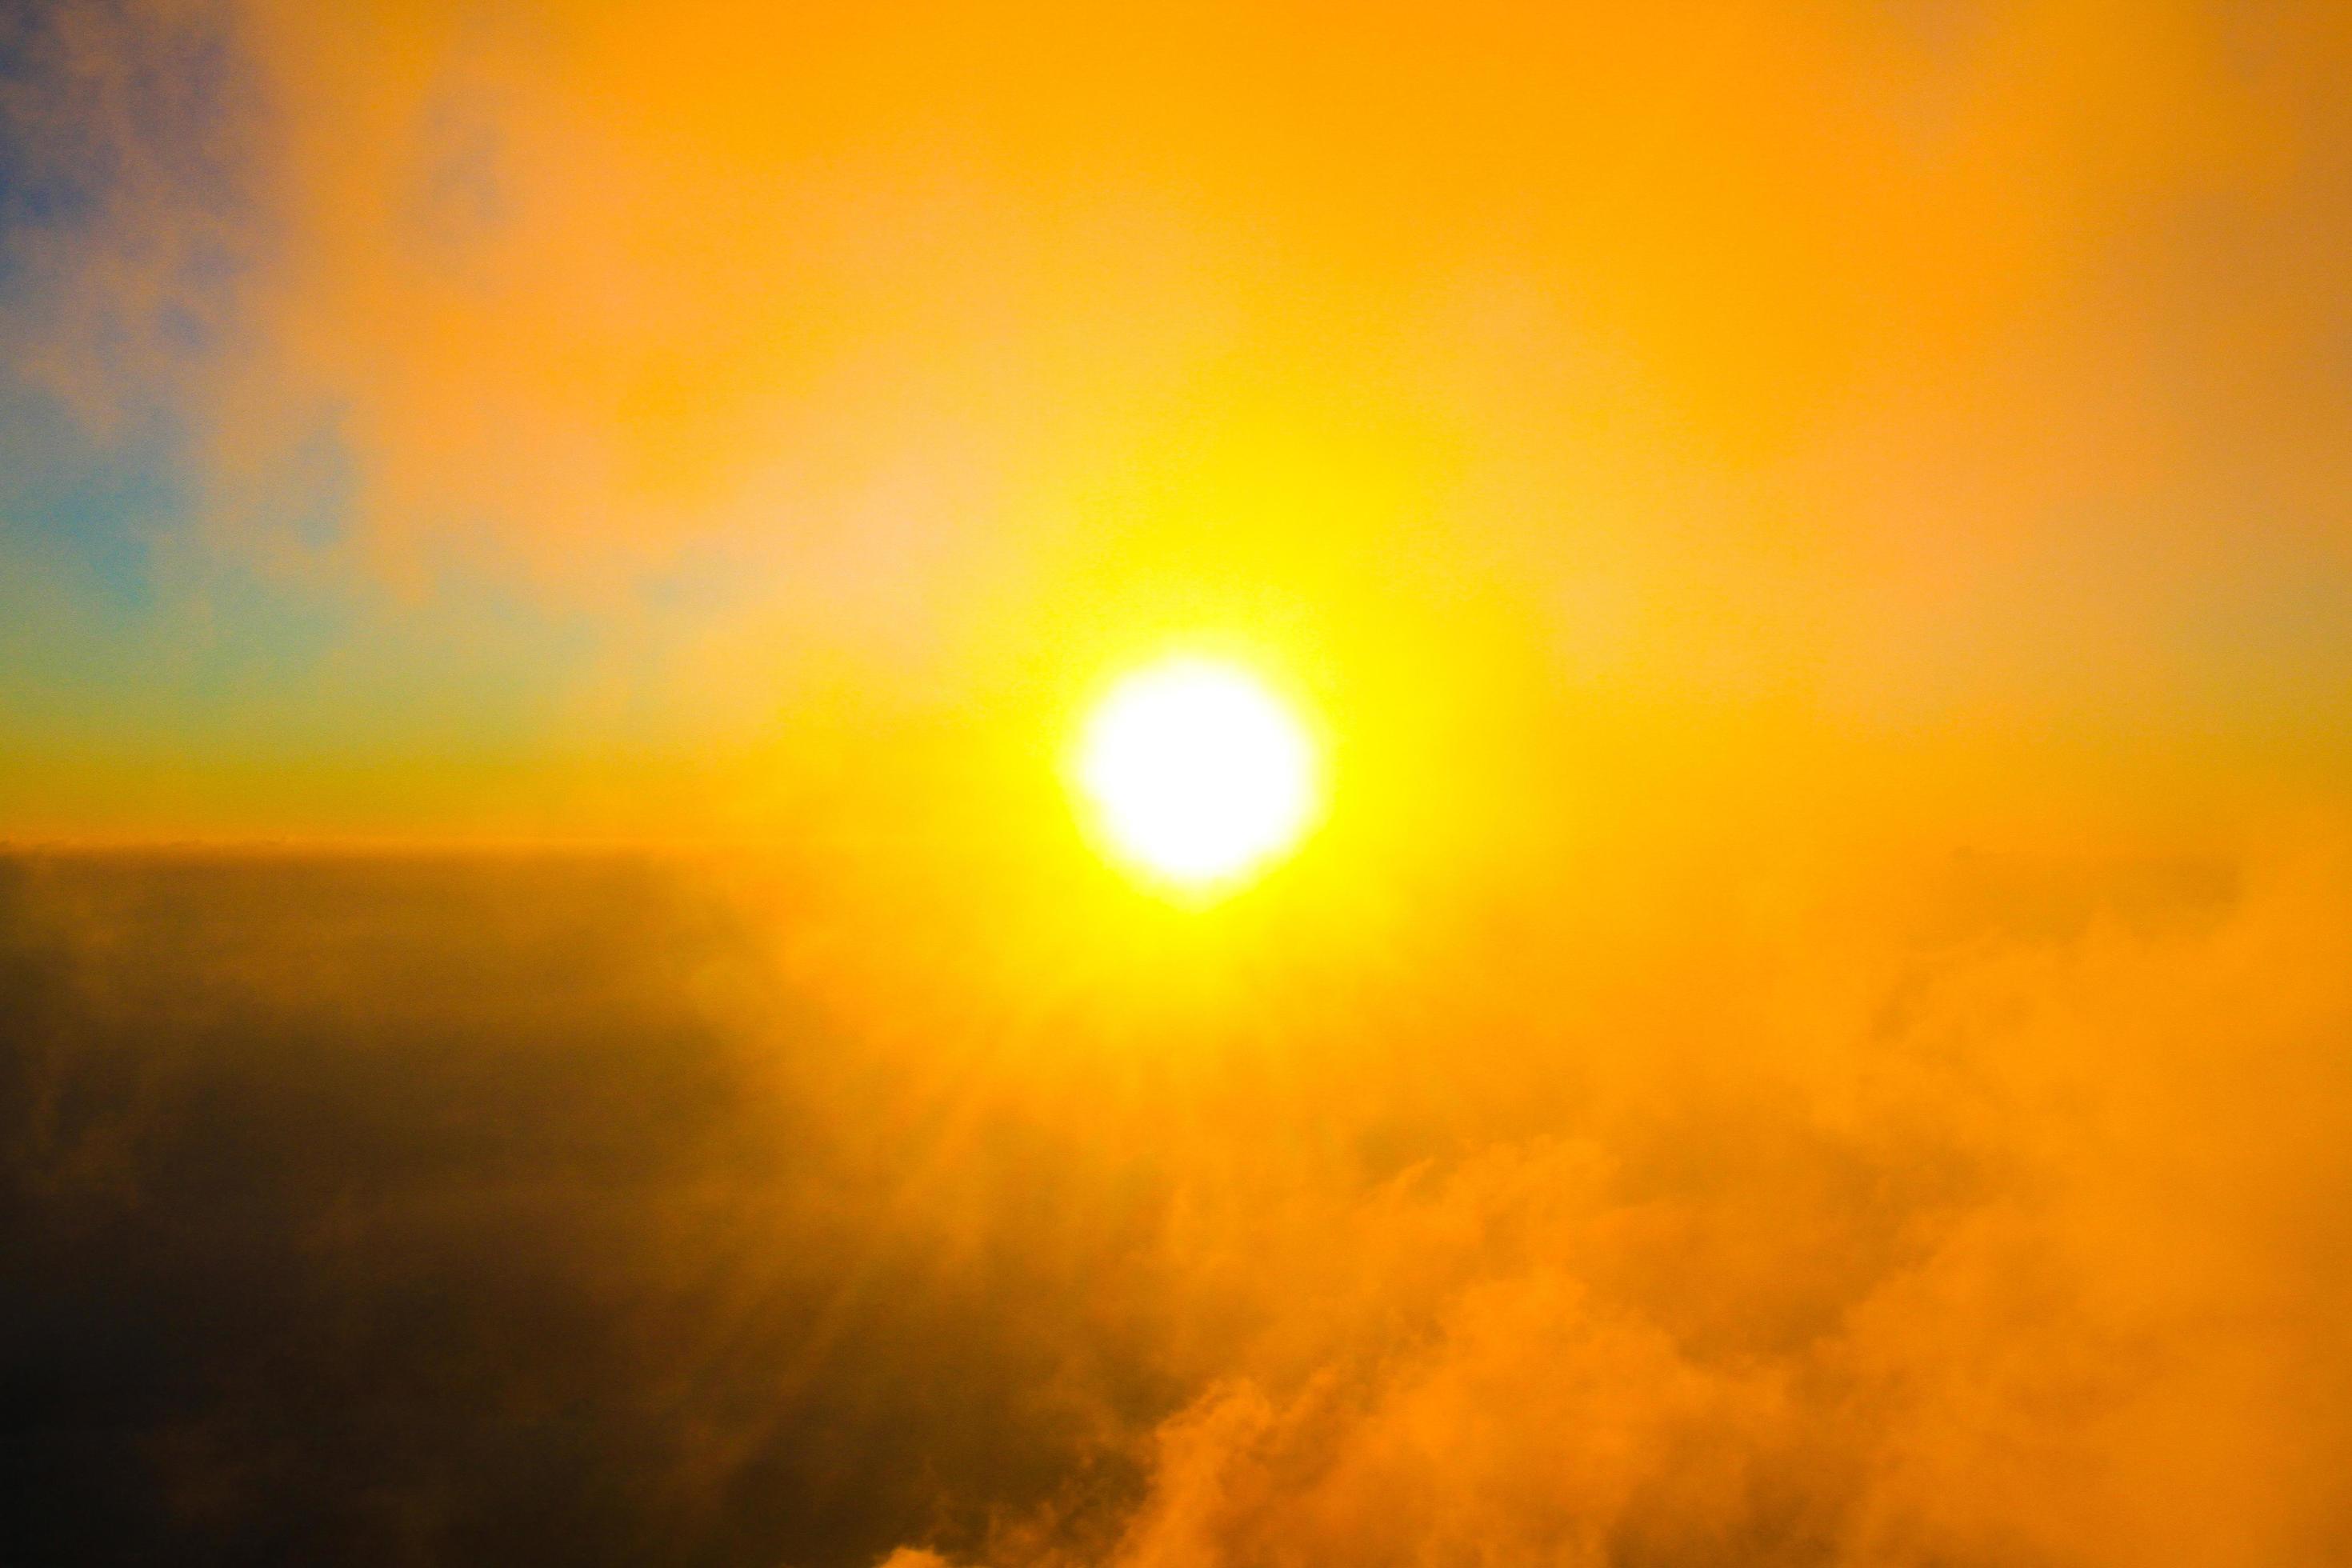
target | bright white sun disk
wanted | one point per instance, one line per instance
(1196, 772)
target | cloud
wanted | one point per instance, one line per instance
(1990, 1218)
(2005, 1248)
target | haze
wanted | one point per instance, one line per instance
(557, 1003)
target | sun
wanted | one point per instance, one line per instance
(1196, 773)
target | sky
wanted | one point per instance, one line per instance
(556, 1004)
(428, 422)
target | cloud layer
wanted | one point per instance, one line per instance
(414, 1211)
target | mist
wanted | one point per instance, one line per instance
(559, 1209)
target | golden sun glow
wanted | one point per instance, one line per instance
(1196, 773)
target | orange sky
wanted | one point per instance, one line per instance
(585, 420)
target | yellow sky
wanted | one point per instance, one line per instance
(614, 406)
